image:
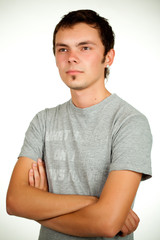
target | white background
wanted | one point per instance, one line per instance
(29, 82)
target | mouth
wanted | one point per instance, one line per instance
(74, 72)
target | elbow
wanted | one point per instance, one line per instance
(108, 228)
(9, 209)
(109, 232)
(11, 205)
(104, 224)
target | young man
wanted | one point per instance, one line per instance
(95, 147)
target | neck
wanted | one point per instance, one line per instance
(87, 98)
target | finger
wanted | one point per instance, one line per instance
(124, 231)
(36, 175)
(131, 222)
(134, 215)
(134, 219)
(42, 172)
(129, 225)
(31, 177)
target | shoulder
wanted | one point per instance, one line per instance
(125, 112)
(48, 114)
(129, 119)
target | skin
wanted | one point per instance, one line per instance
(38, 179)
(79, 58)
(26, 201)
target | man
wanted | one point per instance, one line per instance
(95, 147)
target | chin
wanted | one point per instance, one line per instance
(77, 88)
(75, 84)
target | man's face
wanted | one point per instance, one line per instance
(79, 56)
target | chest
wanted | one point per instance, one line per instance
(77, 155)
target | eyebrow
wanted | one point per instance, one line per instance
(85, 43)
(77, 45)
(61, 45)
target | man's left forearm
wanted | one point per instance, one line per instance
(81, 223)
(89, 222)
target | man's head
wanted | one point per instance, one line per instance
(92, 19)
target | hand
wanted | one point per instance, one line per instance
(130, 225)
(37, 176)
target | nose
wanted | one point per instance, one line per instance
(73, 58)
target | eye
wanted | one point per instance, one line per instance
(85, 48)
(62, 50)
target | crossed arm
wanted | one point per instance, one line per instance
(77, 215)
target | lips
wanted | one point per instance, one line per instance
(73, 72)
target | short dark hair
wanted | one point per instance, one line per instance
(93, 19)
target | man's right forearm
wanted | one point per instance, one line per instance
(36, 204)
(30, 202)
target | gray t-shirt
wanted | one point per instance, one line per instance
(81, 146)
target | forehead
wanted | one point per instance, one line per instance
(78, 33)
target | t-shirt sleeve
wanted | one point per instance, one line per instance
(33, 146)
(131, 146)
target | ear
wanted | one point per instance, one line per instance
(109, 57)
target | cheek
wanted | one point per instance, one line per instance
(60, 62)
(95, 63)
